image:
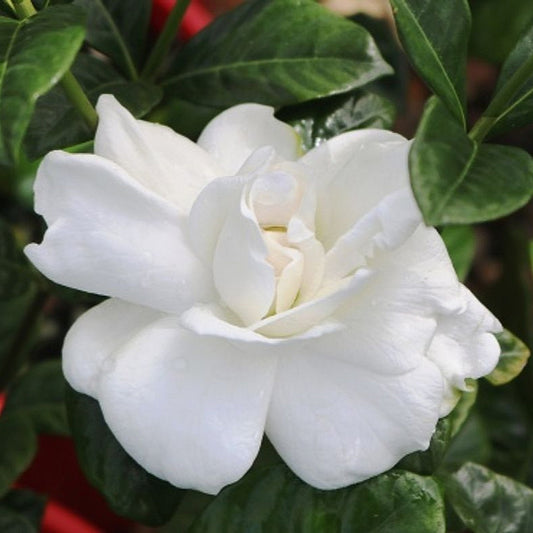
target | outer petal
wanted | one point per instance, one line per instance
(110, 236)
(354, 171)
(336, 424)
(189, 409)
(234, 134)
(163, 161)
(464, 345)
(96, 335)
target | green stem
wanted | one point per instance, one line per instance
(70, 85)
(501, 101)
(24, 8)
(79, 100)
(165, 39)
(10, 4)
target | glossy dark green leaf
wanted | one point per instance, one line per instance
(520, 110)
(512, 360)
(461, 244)
(488, 502)
(276, 52)
(435, 36)
(18, 445)
(274, 499)
(496, 26)
(56, 124)
(21, 511)
(319, 120)
(34, 55)
(428, 461)
(129, 490)
(457, 181)
(118, 29)
(39, 395)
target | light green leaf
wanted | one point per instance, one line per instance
(274, 499)
(118, 29)
(435, 36)
(57, 124)
(34, 55)
(319, 120)
(457, 181)
(275, 52)
(520, 110)
(39, 396)
(512, 360)
(129, 490)
(488, 502)
(461, 244)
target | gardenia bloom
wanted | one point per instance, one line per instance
(255, 290)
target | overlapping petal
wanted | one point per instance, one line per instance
(237, 132)
(190, 409)
(166, 163)
(109, 235)
(335, 423)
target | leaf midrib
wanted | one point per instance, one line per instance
(458, 182)
(255, 62)
(437, 59)
(132, 70)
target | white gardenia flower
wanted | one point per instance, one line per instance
(254, 290)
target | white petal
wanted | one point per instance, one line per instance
(298, 319)
(353, 172)
(464, 345)
(96, 335)
(335, 424)
(243, 277)
(386, 227)
(108, 235)
(189, 409)
(234, 134)
(163, 161)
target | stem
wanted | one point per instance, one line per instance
(501, 101)
(10, 4)
(165, 39)
(70, 85)
(24, 8)
(79, 100)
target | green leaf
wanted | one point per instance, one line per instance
(39, 395)
(512, 360)
(435, 36)
(274, 499)
(129, 490)
(276, 52)
(34, 55)
(520, 110)
(457, 181)
(18, 445)
(18, 293)
(429, 461)
(21, 511)
(488, 502)
(496, 26)
(118, 29)
(319, 120)
(461, 244)
(57, 124)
